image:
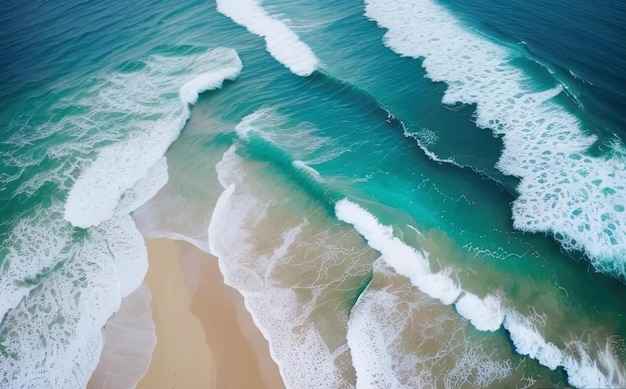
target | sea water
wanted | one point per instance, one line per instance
(407, 194)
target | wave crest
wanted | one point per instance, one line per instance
(579, 198)
(281, 42)
(144, 96)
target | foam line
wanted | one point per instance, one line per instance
(96, 193)
(582, 370)
(404, 259)
(422, 141)
(578, 198)
(486, 314)
(281, 42)
(208, 81)
(382, 329)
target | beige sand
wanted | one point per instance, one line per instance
(180, 359)
(199, 322)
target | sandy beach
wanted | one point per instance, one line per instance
(205, 337)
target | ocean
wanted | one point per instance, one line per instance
(408, 194)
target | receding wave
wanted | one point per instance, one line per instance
(281, 42)
(258, 236)
(564, 190)
(392, 350)
(487, 313)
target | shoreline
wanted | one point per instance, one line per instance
(229, 327)
(205, 337)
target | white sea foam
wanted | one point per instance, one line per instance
(248, 264)
(578, 198)
(34, 247)
(404, 259)
(583, 371)
(528, 341)
(281, 42)
(128, 249)
(53, 338)
(61, 285)
(485, 314)
(603, 372)
(369, 339)
(89, 277)
(390, 349)
(211, 80)
(143, 96)
(144, 189)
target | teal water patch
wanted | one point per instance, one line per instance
(350, 50)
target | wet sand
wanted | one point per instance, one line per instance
(205, 337)
(129, 342)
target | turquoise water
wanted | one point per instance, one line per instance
(407, 194)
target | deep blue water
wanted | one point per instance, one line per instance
(587, 39)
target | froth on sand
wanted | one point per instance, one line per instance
(205, 337)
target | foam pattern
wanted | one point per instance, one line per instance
(579, 198)
(153, 119)
(281, 42)
(144, 189)
(53, 338)
(485, 314)
(236, 215)
(34, 247)
(528, 341)
(583, 371)
(250, 263)
(128, 249)
(390, 349)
